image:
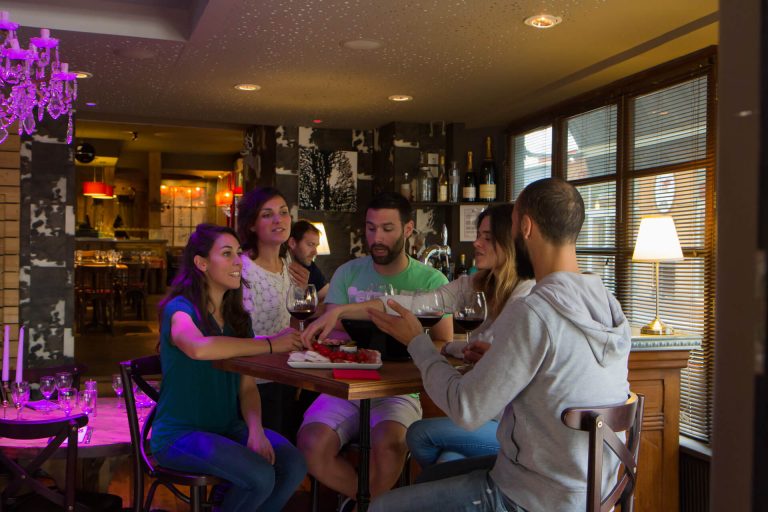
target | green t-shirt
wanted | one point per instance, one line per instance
(358, 281)
(194, 395)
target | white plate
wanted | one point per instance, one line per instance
(329, 366)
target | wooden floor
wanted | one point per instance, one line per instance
(102, 352)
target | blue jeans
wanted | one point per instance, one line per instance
(435, 440)
(473, 492)
(256, 484)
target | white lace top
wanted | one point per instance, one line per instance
(264, 299)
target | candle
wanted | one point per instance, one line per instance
(20, 356)
(45, 33)
(6, 352)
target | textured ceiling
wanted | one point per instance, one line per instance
(471, 61)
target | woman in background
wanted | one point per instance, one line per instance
(208, 420)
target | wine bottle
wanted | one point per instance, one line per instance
(473, 268)
(461, 269)
(488, 174)
(442, 182)
(453, 183)
(405, 187)
(469, 191)
(425, 181)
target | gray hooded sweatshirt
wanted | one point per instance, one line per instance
(564, 345)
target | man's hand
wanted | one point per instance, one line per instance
(258, 443)
(299, 274)
(403, 328)
(286, 340)
(324, 324)
(474, 351)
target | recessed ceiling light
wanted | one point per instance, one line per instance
(247, 87)
(90, 104)
(83, 74)
(401, 97)
(542, 21)
(362, 44)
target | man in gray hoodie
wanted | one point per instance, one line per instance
(564, 345)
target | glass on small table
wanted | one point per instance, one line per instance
(428, 307)
(117, 385)
(88, 402)
(471, 311)
(302, 302)
(67, 399)
(47, 387)
(20, 396)
(63, 380)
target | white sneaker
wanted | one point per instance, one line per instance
(348, 505)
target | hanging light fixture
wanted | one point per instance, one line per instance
(98, 189)
(32, 78)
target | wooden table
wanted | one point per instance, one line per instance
(397, 378)
(110, 438)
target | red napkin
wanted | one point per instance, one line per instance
(339, 373)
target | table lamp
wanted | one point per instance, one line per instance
(323, 249)
(657, 241)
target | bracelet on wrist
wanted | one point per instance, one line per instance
(269, 342)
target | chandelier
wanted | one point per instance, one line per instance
(32, 81)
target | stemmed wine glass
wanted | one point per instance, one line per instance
(470, 312)
(428, 307)
(67, 399)
(20, 396)
(117, 385)
(47, 387)
(302, 302)
(88, 402)
(63, 380)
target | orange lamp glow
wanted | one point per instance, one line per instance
(223, 198)
(94, 188)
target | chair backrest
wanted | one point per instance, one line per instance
(136, 373)
(602, 423)
(57, 431)
(32, 375)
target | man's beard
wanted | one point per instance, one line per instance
(523, 259)
(392, 253)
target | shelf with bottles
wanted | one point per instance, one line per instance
(430, 204)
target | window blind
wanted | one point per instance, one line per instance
(532, 158)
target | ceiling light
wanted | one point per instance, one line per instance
(361, 44)
(90, 104)
(82, 74)
(247, 87)
(542, 21)
(317, 121)
(400, 97)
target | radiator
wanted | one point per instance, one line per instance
(694, 480)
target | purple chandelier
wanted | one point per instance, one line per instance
(32, 81)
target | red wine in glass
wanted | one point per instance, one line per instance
(302, 313)
(301, 302)
(469, 323)
(429, 319)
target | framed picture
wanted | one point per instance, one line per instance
(468, 221)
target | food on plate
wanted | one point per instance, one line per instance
(322, 353)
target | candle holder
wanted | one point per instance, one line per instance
(6, 392)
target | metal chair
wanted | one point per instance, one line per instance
(602, 423)
(134, 374)
(58, 430)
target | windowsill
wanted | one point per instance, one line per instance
(695, 448)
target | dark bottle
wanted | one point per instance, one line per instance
(488, 175)
(469, 190)
(461, 269)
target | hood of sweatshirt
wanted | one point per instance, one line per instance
(582, 299)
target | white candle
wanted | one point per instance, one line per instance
(45, 33)
(6, 352)
(20, 356)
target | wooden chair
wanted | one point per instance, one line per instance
(602, 423)
(95, 286)
(135, 373)
(58, 430)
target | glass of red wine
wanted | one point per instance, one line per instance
(428, 308)
(302, 302)
(470, 312)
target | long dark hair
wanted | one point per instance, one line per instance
(247, 212)
(498, 283)
(192, 284)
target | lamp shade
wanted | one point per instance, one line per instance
(657, 240)
(94, 188)
(323, 249)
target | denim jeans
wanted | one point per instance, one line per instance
(435, 440)
(473, 492)
(255, 483)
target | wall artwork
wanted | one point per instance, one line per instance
(327, 180)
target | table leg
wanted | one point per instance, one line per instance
(363, 473)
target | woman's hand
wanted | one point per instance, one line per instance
(324, 324)
(403, 328)
(298, 273)
(286, 340)
(258, 443)
(475, 351)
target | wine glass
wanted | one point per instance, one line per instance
(117, 385)
(67, 399)
(63, 380)
(20, 396)
(428, 307)
(470, 312)
(88, 402)
(47, 387)
(302, 302)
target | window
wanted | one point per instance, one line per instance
(184, 206)
(532, 158)
(659, 160)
